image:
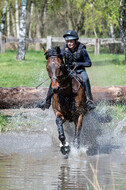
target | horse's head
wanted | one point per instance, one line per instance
(55, 67)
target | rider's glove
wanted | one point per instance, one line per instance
(76, 64)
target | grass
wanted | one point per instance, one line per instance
(107, 69)
(3, 123)
(15, 73)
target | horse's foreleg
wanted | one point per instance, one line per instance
(78, 126)
(64, 147)
(59, 122)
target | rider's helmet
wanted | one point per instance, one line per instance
(71, 35)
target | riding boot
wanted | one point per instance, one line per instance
(90, 104)
(45, 104)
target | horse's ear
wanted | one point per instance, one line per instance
(58, 50)
(44, 50)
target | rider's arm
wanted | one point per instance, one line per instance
(62, 51)
(87, 62)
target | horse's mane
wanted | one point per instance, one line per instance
(55, 51)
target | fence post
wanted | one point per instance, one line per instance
(97, 46)
(49, 42)
(3, 44)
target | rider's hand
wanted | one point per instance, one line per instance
(75, 64)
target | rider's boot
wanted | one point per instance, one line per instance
(45, 104)
(90, 103)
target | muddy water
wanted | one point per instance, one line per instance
(30, 158)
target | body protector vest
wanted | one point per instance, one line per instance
(75, 56)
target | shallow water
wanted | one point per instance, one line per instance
(31, 160)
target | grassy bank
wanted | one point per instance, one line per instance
(107, 69)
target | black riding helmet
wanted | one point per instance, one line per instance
(71, 35)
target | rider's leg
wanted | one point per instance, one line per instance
(90, 104)
(45, 104)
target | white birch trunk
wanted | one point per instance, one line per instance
(22, 32)
(2, 25)
(8, 22)
(17, 20)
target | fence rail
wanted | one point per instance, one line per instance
(49, 40)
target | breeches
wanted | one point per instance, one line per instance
(83, 74)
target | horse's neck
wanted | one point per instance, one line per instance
(66, 87)
(70, 86)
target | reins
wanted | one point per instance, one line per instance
(42, 83)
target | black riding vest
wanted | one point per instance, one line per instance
(75, 56)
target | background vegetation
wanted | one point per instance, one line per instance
(99, 18)
(107, 69)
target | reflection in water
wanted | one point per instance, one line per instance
(48, 170)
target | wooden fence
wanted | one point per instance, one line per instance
(49, 40)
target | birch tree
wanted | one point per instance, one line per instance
(22, 32)
(2, 25)
(123, 23)
(16, 16)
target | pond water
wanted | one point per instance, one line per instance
(31, 159)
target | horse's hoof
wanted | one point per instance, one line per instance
(65, 149)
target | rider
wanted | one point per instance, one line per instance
(75, 55)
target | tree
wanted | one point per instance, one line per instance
(3, 18)
(123, 23)
(22, 32)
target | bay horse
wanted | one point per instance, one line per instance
(69, 98)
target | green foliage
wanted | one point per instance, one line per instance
(94, 18)
(3, 123)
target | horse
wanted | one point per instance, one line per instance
(68, 97)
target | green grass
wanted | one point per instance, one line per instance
(107, 69)
(3, 123)
(15, 73)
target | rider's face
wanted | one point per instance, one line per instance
(71, 44)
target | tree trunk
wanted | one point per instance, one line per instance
(70, 27)
(30, 24)
(2, 25)
(41, 20)
(17, 20)
(22, 32)
(13, 25)
(38, 28)
(123, 23)
(28, 97)
(8, 23)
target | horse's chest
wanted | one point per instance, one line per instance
(67, 103)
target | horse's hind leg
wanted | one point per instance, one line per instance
(78, 126)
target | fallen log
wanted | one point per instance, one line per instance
(28, 97)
